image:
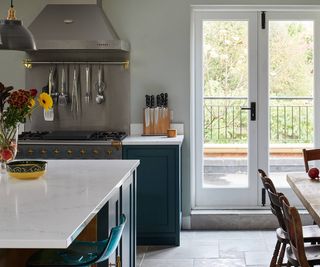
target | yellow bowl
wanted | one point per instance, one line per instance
(26, 169)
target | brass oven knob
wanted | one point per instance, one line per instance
(95, 151)
(30, 151)
(109, 152)
(43, 151)
(82, 152)
(69, 151)
(56, 151)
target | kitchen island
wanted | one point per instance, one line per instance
(52, 211)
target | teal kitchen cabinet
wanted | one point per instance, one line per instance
(158, 193)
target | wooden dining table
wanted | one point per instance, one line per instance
(308, 191)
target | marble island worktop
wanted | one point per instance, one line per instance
(51, 211)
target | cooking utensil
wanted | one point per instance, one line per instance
(73, 92)
(87, 97)
(100, 86)
(62, 98)
(54, 88)
(75, 101)
(49, 114)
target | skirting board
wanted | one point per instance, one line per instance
(186, 223)
(240, 221)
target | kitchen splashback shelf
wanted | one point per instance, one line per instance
(112, 113)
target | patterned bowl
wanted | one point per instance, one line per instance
(26, 169)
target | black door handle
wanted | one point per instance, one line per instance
(252, 110)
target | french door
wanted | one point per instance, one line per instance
(255, 79)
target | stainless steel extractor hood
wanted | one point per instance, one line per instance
(75, 27)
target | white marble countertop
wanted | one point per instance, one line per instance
(51, 211)
(152, 140)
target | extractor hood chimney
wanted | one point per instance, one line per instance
(75, 27)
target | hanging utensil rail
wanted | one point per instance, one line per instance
(28, 63)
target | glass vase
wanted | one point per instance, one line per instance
(8, 145)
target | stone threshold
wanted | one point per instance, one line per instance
(238, 219)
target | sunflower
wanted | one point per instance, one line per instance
(45, 101)
(31, 103)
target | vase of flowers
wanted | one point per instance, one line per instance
(15, 107)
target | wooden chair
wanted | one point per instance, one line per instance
(311, 232)
(298, 253)
(310, 155)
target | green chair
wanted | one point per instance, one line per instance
(80, 253)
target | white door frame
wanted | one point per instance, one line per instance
(198, 9)
(264, 86)
(244, 195)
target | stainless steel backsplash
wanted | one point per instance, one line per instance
(112, 114)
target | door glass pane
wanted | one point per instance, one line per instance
(291, 76)
(225, 70)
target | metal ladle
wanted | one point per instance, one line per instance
(100, 86)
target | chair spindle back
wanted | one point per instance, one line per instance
(274, 196)
(310, 155)
(295, 234)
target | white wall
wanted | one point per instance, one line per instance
(159, 33)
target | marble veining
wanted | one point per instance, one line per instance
(50, 212)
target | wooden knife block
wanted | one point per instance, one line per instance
(156, 121)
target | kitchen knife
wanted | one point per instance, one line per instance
(165, 100)
(147, 101)
(162, 99)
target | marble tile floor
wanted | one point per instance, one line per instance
(212, 249)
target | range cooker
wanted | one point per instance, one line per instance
(70, 145)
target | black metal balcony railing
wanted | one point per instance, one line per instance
(290, 119)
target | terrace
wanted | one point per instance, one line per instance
(226, 137)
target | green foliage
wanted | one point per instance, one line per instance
(12, 116)
(225, 57)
